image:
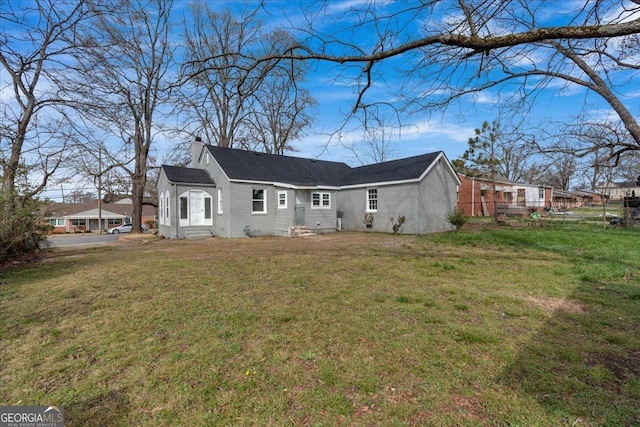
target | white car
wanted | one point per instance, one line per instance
(125, 228)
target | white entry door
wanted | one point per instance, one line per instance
(196, 208)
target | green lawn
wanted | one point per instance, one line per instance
(489, 326)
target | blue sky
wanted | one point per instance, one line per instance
(423, 131)
(336, 93)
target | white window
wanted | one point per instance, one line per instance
(219, 201)
(541, 193)
(166, 208)
(258, 201)
(207, 207)
(184, 208)
(320, 200)
(282, 200)
(372, 200)
(56, 222)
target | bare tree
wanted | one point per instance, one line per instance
(469, 46)
(125, 82)
(378, 143)
(561, 172)
(35, 126)
(280, 111)
(230, 102)
(217, 88)
(34, 122)
(518, 153)
(628, 168)
(589, 151)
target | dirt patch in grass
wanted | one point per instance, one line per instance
(558, 304)
(623, 367)
(136, 239)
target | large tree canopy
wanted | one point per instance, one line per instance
(449, 50)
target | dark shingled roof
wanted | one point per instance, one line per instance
(187, 175)
(394, 170)
(254, 166)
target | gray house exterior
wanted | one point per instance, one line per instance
(236, 193)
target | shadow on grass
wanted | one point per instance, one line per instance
(21, 285)
(99, 410)
(583, 365)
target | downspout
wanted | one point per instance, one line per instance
(175, 212)
(473, 196)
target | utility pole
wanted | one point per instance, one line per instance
(99, 191)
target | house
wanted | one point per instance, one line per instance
(576, 198)
(75, 217)
(617, 191)
(478, 196)
(237, 193)
(592, 198)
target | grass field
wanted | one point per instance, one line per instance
(489, 326)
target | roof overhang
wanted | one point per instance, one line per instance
(93, 213)
(408, 181)
(287, 185)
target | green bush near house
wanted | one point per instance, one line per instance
(457, 218)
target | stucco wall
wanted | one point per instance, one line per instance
(240, 207)
(164, 185)
(424, 205)
(321, 219)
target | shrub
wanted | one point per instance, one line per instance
(368, 220)
(396, 225)
(22, 230)
(457, 218)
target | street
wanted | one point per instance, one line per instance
(60, 240)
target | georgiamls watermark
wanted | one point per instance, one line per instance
(31, 416)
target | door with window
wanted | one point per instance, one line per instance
(195, 208)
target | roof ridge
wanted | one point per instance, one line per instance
(260, 153)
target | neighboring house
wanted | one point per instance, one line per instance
(617, 191)
(592, 198)
(236, 193)
(563, 199)
(73, 217)
(576, 198)
(478, 196)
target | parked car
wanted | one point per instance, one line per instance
(125, 228)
